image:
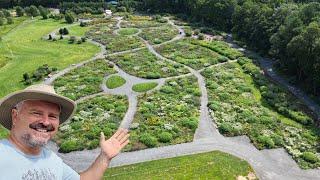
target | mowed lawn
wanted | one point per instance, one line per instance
(212, 165)
(23, 50)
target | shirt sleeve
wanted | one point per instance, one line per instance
(69, 173)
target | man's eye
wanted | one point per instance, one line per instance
(36, 113)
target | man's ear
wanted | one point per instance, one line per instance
(14, 116)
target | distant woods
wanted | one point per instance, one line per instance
(287, 30)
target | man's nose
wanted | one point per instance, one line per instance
(46, 120)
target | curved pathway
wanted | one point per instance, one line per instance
(268, 164)
(267, 66)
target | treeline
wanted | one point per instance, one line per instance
(84, 7)
(288, 30)
(45, 3)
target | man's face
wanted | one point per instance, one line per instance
(35, 122)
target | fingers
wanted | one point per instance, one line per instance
(124, 138)
(102, 138)
(124, 144)
(123, 133)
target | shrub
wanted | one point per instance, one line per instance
(68, 146)
(60, 31)
(266, 141)
(50, 37)
(310, 157)
(2, 14)
(2, 21)
(196, 32)
(65, 31)
(148, 140)
(190, 123)
(9, 20)
(72, 39)
(19, 11)
(201, 37)
(188, 33)
(6, 13)
(69, 17)
(79, 41)
(165, 137)
(83, 24)
(61, 37)
(83, 39)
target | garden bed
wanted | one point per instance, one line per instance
(83, 81)
(144, 87)
(167, 116)
(244, 102)
(194, 56)
(157, 35)
(146, 65)
(99, 114)
(115, 82)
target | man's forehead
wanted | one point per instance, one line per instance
(39, 103)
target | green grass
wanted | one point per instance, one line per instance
(8, 27)
(128, 31)
(3, 132)
(143, 87)
(78, 30)
(23, 50)
(211, 165)
(115, 81)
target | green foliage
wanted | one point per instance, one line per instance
(165, 137)
(157, 35)
(148, 140)
(115, 81)
(146, 65)
(245, 102)
(189, 54)
(40, 73)
(10, 20)
(144, 87)
(19, 11)
(175, 113)
(92, 117)
(128, 31)
(32, 11)
(43, 12)
(83, 81)
(310, 157)
(69, 17)
(2, 21)
(6, 13)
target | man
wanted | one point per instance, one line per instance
(33, 116)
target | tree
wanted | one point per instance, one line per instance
(19, 11)
(32, 11)
(6, 13)
(2, 21)
(9, 20)
(43, 12)
(69, 17)
(65, 31)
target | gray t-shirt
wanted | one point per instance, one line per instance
(16, 165)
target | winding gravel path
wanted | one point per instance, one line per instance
(268, 164)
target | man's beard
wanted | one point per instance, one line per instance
(32, 142)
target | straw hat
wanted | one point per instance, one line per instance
(35, 92)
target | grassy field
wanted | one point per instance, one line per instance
(23, 50)
(115, 81)
(78, 30)
(212, 165)
(8, 27)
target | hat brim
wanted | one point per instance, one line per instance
(67, 106)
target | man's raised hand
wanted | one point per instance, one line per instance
(111, 147)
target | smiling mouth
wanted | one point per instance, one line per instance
(41, 127)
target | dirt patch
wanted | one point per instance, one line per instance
(250, 176)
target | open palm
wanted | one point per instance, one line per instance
(115, 143)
